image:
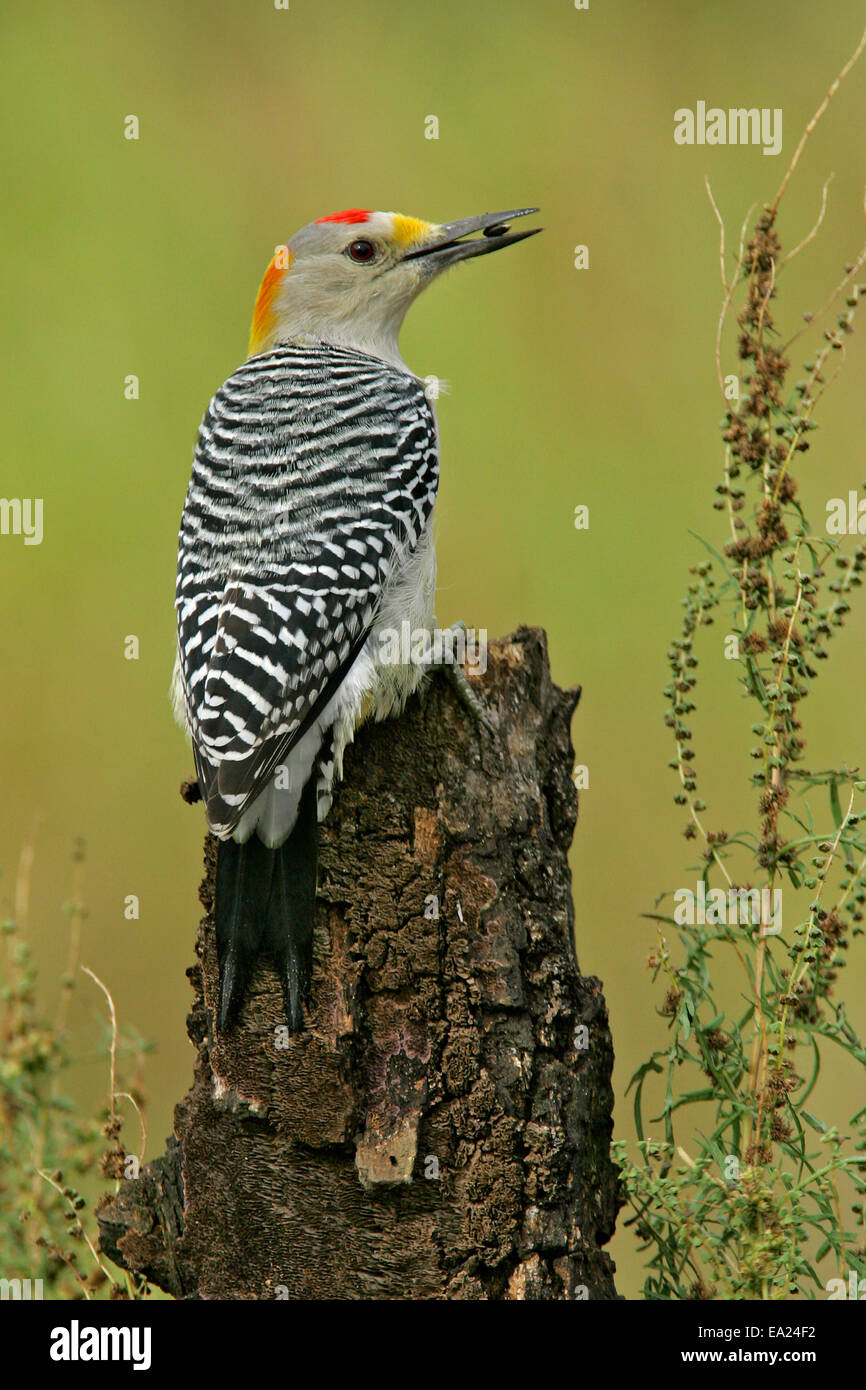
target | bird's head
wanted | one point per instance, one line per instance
(349, 278)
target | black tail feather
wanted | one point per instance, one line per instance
(243, 886)
(266, 899)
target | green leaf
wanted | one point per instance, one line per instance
(835, 805)
(813, 1122)
(712, 549)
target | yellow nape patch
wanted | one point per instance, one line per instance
(406, 230)
(264, 318)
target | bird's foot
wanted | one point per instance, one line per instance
(460, 684)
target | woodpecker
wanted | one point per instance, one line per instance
(306, 534)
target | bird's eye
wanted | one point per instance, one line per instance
(361, 251)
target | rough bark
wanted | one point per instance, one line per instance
(441, 1127)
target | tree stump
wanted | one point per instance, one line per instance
(441, 1126)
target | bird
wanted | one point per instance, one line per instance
(307, 533)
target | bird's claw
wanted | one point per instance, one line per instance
(462, 688)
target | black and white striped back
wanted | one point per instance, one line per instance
(315, 467)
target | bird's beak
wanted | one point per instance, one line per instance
(450, 244)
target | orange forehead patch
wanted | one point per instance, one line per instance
(264, 319)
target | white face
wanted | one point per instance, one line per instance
(349, 283)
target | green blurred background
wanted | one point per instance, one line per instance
(567, 387)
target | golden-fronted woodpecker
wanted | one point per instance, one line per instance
(307, 533)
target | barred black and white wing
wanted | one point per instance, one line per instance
(315, 469)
